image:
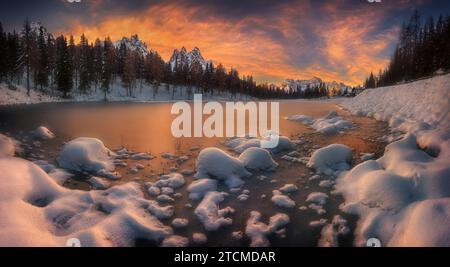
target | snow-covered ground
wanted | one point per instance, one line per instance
(403, 198)
(18, 95)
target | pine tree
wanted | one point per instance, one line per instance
(64, 67)
(3, 54)
(43, 66)
(107, 63)
(26, 51)
(84, 64)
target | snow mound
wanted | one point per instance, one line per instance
(209, 213)
(99, 183)
(199, 238)
(42, 213)
(43, 133)
(288, 188)
(318, 198)
(199, 188)
(282, 200)
(215, 163)
(175, 241)
(332, 158)
(7, 146)
(258, 231)
(258, 159)
(86, 154)
(308, 120)
(331, 232)
(240, 144)
(330, 124)
(180, 223)
(173, 180)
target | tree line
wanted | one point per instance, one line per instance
(423, 49)
(45, 63)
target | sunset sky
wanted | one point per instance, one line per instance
(340, 40)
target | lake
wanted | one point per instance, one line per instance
(146, 127)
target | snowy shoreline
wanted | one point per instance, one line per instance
(403, 198)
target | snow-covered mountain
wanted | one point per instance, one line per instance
(35, 29)
(334, 88)
(134, 44)
(183, 58)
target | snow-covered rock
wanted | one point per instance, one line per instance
(258, 231)
(42, 213)
(332, 158)
(282, 200)
(330, 124)
(258, 159)
(86, 154)
(215, 163)
(308, 120)
(141, 156)
(288, 188)
(199, 238)
(180, 222)
(240, 144)
(209, 213)
(42, 133)
(318, 198)
(175, 241)
(173, 180)
(99, 183)
(331, 232)
(199, 188)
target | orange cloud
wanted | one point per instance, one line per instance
(165, 27)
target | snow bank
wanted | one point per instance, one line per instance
(86, 154)
(19, 96)
(403, 198)
(42, 213)
(43, 133)
(258, 231)
(332, 158)
(209, 213)
(258, 159)
(215, 163)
